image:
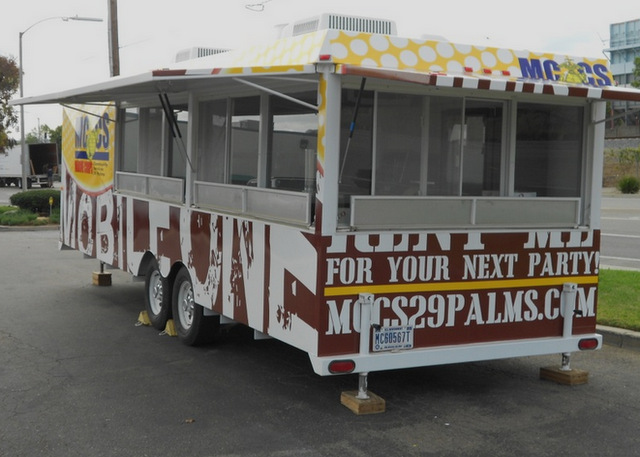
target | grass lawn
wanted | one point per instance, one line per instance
(11, 215)
(619, 299)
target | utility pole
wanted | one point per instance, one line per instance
(114, 46)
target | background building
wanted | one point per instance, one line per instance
(624, 48)
(622, 134)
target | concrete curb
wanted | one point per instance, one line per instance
(627, 339)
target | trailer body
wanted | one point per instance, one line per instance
(375, 201)
(43, 161)
(10, 167)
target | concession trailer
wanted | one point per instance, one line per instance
(377, 202)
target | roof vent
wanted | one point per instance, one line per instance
(197, 52)
(340, 22)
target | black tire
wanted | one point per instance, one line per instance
(157, 296)
(192, 326)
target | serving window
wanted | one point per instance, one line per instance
(152, 155)
(256, 155)
(431, 159)
(548, 160)
(457, 162)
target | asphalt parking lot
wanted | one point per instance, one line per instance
(79, 378)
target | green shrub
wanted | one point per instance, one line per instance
(4, 209)
(54, 217)
(36, 200)
(629, 185)
(18, 217)
(11, 215)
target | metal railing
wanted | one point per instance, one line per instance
(160, 187)
(397, 213)
(272, 204)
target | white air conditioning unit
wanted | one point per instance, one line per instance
(197, 52)
(340, 22)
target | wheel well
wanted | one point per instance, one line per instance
(175, 268)
(144, 263)
(149, 257)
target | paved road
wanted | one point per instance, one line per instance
(6, 192)
(620, 219)
(79, 378)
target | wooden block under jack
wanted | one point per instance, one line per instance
(571, 377)
(372, 405)
(101, 279)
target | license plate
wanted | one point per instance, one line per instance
(392, 338)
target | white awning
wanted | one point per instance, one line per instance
(143, 89)
(501, 84)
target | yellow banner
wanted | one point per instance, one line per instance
(88, 145)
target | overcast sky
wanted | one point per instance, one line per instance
(59, 55)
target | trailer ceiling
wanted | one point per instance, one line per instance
(143, 90)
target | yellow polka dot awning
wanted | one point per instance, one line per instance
(420, 61)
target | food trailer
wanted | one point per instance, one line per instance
(377, 202)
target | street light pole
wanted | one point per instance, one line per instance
(23, 145)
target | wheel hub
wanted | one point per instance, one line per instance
(185, 308)
(156, 293)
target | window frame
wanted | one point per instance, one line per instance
(509, 104)
(507, 101)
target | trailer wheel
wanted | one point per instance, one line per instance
(157, 297)
(192, 326)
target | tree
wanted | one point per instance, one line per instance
(9, 82)
(53, 135)
(45, 134)
(636, 73)
(630, 156)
